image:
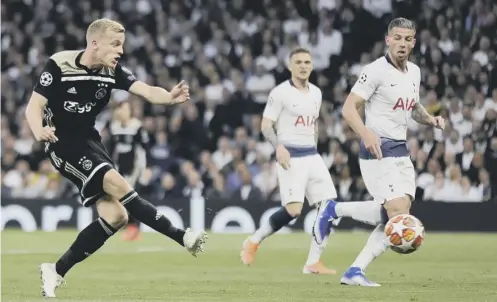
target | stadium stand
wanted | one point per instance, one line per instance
(232, 53)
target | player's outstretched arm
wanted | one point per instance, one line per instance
(157, 95)
(34, 113)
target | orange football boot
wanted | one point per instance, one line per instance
(318, 268)
(248, 252)
(131, 233)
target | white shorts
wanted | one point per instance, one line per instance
(307, 177)
(389, 178)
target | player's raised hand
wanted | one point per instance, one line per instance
(47, 134)
(283, 156)
(180, 93)
(373, 143)
(439, 122)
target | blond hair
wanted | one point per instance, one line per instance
(102, 25)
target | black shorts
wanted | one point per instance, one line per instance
(84, 163)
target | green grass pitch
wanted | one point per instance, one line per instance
(448, 267)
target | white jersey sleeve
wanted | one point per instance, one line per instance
(367, 83)
(274, 106)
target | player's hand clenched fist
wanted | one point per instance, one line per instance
(47, 134)
(373, 143)
(283, 157)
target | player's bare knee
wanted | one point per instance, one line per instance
(113, 212)
(294, 209)
(396, 206)
(115, 185)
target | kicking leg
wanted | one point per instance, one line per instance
(367, 211)
(279, 219)
(144, 211)
(132, 229)
(376, 244)
(112, 216)
(390, 180)
(314, 265)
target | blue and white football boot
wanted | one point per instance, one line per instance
(355, 276)
(325, 219)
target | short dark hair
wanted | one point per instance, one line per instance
(298, 50)
(402, 23)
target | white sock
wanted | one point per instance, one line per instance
(316, 250)
(365, 211)
(264, 231)
(375, 246)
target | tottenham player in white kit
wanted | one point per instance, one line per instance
(389, 90)
(293, 109)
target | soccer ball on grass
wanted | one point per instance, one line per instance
(405, 233)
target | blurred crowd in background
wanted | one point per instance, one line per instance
(232, 53)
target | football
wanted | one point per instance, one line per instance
(405, 233)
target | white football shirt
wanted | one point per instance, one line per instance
(390, 96)
(295, 113)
